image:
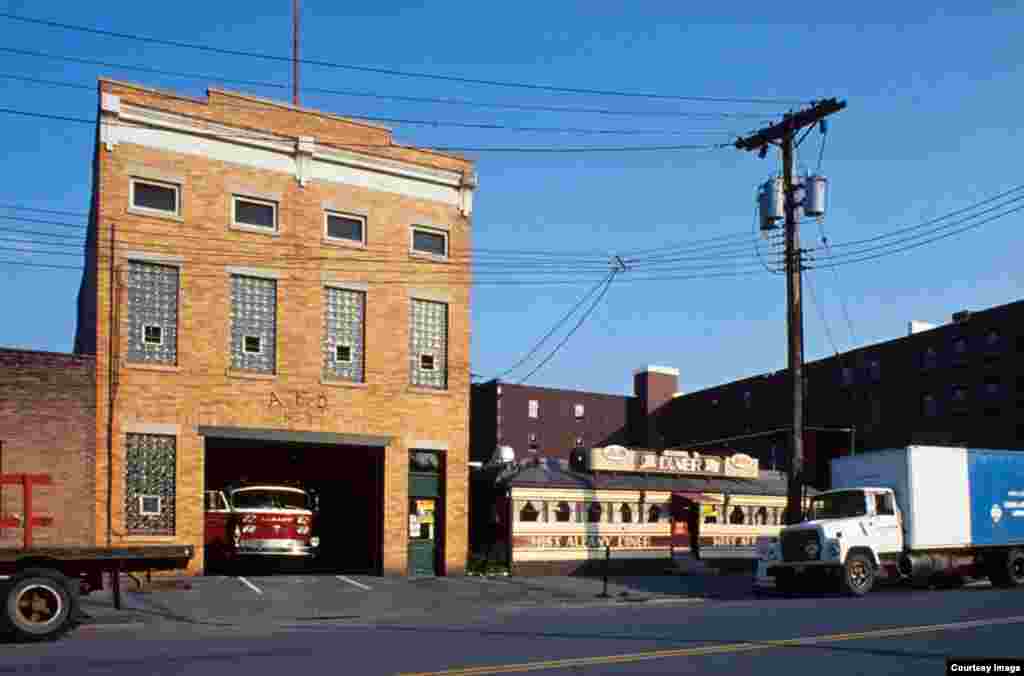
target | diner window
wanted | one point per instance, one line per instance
(626, 514)
(653, 514)
(434, 243)
(248, 212)
(929, 406)
(761, 516)
(563, 513)
(737, 516)
(155, 196)
(534, 408)
(594, 513)
(528, 513)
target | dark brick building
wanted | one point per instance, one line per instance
(961, 383)
(541, 421)
(48, 426)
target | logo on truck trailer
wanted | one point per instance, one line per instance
(997, 513)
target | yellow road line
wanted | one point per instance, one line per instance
(716, 649)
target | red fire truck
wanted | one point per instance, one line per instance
(260, 519)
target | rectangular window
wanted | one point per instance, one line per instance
(578, 411)
(253, 324)
(152, 313)
(254, 213)
(433, 242)
(150, 484)
(156, 196)
(428, 337)
(929, 406)
(875, 367)
(993, 387)
(345, 228)
(929, 359)
(534, 408)
(847, 376)
(344, 334)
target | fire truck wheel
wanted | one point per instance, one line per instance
(39, 605)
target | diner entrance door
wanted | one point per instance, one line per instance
(685, 524)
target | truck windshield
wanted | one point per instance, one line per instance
(840, 505)
(269, 499)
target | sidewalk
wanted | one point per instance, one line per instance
(283, 600)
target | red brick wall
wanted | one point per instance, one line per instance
(48, 426)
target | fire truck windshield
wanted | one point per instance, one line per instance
(268, 498)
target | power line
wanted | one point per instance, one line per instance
(450, 149)
(705, 115)
(21, 207)
(388, 71)
(921, 243)
(483, 126)
(23, 219)
(554, 328)
(821, 314)
(590, 310)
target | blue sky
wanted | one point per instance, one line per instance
(932, 125)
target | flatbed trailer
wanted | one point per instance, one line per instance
(41, 586)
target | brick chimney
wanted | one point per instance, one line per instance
(653, 386)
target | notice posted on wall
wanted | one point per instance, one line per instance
(960, 666)
(414, 526)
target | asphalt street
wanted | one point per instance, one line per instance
(890, 631)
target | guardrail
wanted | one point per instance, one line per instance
(30, 520)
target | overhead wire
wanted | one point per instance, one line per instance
(702, 115)
(387, 71)
(590, 310)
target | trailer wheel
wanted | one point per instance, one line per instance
(39, 605)
(858, 575)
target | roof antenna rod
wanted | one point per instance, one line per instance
(295, 52)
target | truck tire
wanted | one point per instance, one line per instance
(1008, 571)
(858, 575)
(39, 605)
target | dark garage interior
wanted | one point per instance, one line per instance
(347, 479)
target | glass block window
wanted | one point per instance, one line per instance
(428, 338)
(152, 313)
(150, 481)
(343, 348)
(253, 324)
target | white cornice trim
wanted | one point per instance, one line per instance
(663, 370)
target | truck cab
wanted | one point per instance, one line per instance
(848, 535)
(261, 520)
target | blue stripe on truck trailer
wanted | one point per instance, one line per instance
(996, 480)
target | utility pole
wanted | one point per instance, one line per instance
(783, 134)
(295, 52)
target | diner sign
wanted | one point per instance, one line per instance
(622, 459)
(585, 541)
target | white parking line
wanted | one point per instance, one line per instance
(354, 583)
(250, 585)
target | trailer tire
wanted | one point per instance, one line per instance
(857, 576)
(39, 605)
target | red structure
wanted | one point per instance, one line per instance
(27, 481)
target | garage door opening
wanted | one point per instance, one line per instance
(348, 483)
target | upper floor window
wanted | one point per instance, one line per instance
(429, 344)
(344, 228)
(248, 212)
(343, 346)
(930, 358)
(875, 368)
(534, 445)
(748, 398)
(432, 242)
(960, 345)
(152, 313)
(155, 196)
(534, 408)
(253, 324)
(929, 406)
(993, 387)
(577, 411)
(579, 442)
(993, 339)
(847, 375)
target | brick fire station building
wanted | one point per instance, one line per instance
(277, 293)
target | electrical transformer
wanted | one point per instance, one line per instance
(770, 200)
(816, 188)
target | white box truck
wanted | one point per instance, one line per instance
(927, 514)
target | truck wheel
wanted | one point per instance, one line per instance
(858, 575)
(1009, 572)
(39, 605)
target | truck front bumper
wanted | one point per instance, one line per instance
(282, 547)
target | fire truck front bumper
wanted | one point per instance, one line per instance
(281, 547)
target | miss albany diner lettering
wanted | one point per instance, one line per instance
(590, 541)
